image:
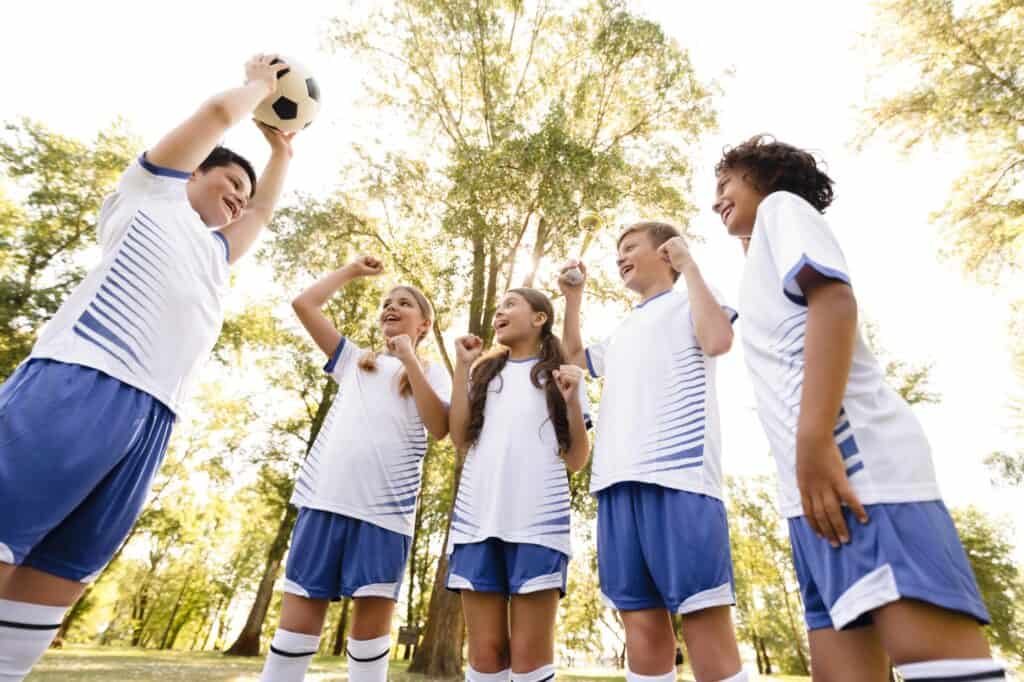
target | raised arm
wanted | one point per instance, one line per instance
(711, 324)
(572, 338)
(467, 350)
(242, 232)
(570, 383)
(432, 410)
(308, 305)
(185, 147)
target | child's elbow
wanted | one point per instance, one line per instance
(719, 344)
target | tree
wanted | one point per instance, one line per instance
(769, 613)
(1000, 580)
(958, 69)
(527, 113)
(43, 235)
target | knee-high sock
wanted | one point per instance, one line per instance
(368, 659)
(975, 669)
(477, 676)
(665, 677)
(26, 631)
(541, 674)
(289, 657)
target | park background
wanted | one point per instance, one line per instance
(460, 140)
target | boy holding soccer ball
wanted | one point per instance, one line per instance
(85, 420)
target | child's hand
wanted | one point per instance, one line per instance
(468, 348)
(401, 347)
(568, 378)
(280, 141)
(259, 69)
(676, 253)
(366, 266)
(824, 487)
(572, 277)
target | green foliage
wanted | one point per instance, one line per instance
(769, 613)
(957, 72)
(60, 184)
(986, 541)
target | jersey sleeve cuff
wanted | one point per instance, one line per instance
(224, 242)
(333, 362)
(590, 364)
(161, 171)
(791, 288)
(730, 313)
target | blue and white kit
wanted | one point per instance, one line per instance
(357, 489)
(887, 456)
(85, 421)
(657, 463)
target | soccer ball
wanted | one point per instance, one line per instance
(294, 103)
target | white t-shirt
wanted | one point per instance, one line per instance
(514, 484)
(150, 312)
(367, 460)
(658, 421)
(885, 450)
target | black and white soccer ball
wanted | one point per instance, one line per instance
(294, 103)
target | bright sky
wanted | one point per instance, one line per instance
(798, 72)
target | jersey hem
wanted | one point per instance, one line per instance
(512, 538)
(404, 529)
(110, 372)
(901, 495)
(699, 490)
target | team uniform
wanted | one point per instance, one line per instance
(85, 421)
(663, 540)
(357, 489)
(510, 525)
(910, 548)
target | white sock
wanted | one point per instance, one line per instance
(980, 670)
(665, 677)
(289, 656)
(477, 676)
(541, 674)
(368, 659)
(26, 631)
(741, 676)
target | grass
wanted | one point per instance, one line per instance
(112, 664)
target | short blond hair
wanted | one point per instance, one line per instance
(658, 233)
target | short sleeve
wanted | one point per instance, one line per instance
(595, 358)
(721, 300)
(588, 413)
(799, 237)
(439, 380)
(345, 355)
(140, 181)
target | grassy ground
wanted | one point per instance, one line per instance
(87, 664)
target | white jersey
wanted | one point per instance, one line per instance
(367, 460)
(514, 483)
(150, 312)
(885, 450)
(658, 421)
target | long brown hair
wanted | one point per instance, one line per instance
(368, 363)
(552, 356)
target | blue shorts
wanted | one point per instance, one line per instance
(78, 452)
(494, 565)
(334, 556)
(909, 550)
(659, 547)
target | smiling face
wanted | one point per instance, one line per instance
(402, 313)
(219, 194)
(515, 320)
(736, 201)
(640, 264)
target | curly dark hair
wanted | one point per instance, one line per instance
(772, 166)
(552, 356)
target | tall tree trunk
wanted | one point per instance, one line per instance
(248, 642)
(477, 300)
(339, 636)
(410, 609)
(440, 651)
(174, 611)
